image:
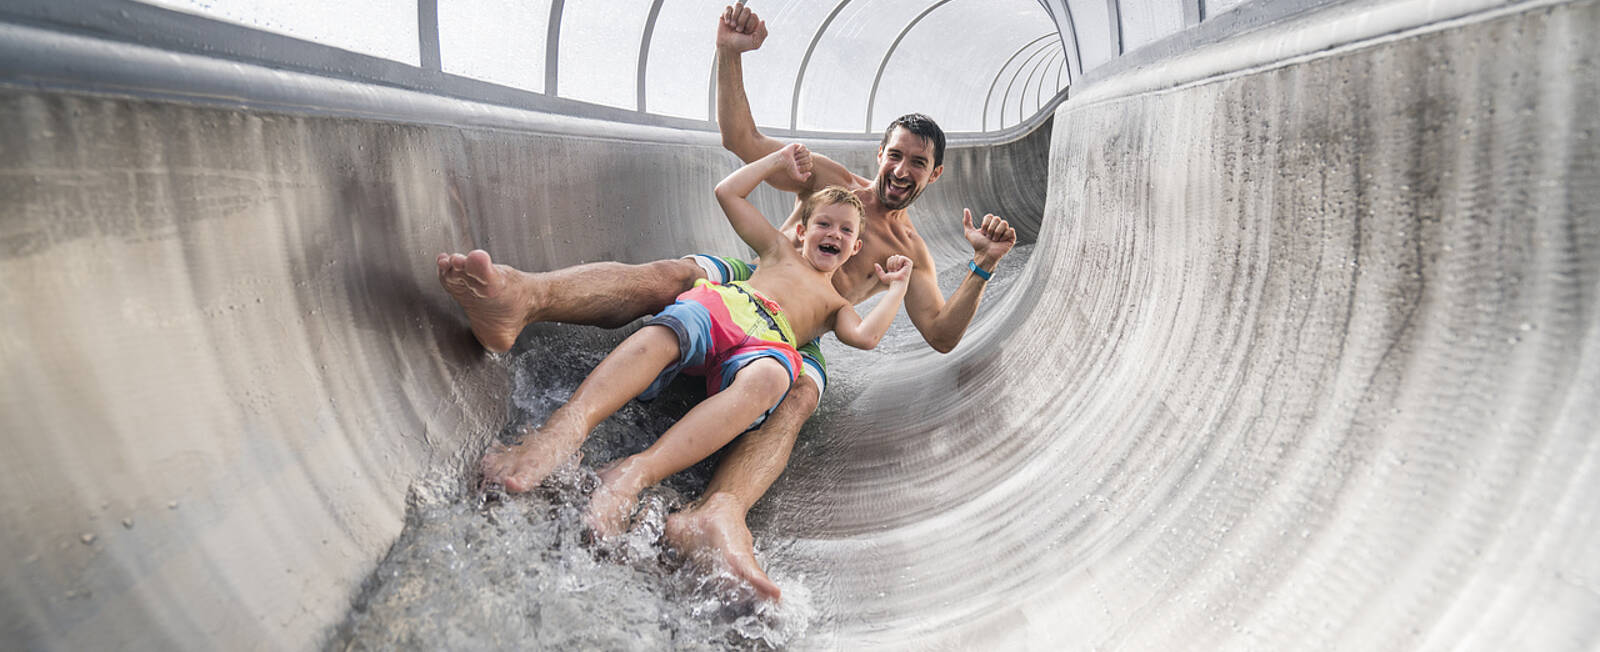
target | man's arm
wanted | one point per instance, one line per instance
(738, 31)
(942, 322)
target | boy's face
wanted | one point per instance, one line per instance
(831, 236)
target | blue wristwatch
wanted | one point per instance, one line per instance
(973, 265)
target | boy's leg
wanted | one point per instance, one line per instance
(500, 300)
(715, 525)
(622, 375)
(706, 428)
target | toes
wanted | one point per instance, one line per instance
(517, 484)
(478, 265)
(458, 262)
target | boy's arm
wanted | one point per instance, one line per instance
(866, 333)
(942, 322)
(733, 194)
(739, 30)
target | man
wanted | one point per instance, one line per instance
(500, 301)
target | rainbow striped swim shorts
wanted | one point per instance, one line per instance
(720, 329)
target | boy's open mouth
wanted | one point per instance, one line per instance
(828, 249)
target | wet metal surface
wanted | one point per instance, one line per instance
(1304, 357)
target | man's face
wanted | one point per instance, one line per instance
(831, 236)
(905, 168)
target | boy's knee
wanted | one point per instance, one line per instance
(765, 378)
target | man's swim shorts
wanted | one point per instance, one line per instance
(727, 270)
(722, 328)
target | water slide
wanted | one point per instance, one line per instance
(1301, 350)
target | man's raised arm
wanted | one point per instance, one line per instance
(942, 322)
(739, 30)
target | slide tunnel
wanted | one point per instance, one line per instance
(1300, 349)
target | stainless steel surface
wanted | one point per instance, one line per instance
(1305, 358)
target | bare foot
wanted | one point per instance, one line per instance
(522, 466)
(495, 297)
(613, 503)
(714, 532)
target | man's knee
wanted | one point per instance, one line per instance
(676, 275)
(802, 399)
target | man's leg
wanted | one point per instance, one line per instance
(500, 300)
(714, 527)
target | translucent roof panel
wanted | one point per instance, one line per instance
(1028, 98)
(947, 62)
(682, 58)
(1147, 21)
(499, 41)
(1053, 79)
(770, 72)
(599, 59)
(833, 95)
(1002, 99)
(380, 28)
(1092, 22)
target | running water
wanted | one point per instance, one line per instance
(470, 573)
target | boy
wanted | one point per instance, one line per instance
(741, 336)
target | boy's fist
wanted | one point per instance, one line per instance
(899, 269)
(797, 160)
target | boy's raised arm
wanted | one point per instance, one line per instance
(734, 192)
(866, 333)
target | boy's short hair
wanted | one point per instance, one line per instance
(921, 126)
(827, 197)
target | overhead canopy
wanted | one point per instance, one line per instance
(974, 65)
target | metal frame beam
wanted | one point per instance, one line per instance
(644, 50)
(552, 50)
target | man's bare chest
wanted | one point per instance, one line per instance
(858, 280)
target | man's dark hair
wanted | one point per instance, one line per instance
(922, 126)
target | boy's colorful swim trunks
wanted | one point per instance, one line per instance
(723, 271)
(722, 328)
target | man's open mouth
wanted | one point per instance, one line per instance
(899, 185)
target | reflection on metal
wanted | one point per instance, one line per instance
(872, 97)
(984, 118)
(552, 49)
(644, 48)
(805, 61)
(1012, 84)
(428, 34)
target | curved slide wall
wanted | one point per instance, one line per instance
(1305, 357)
